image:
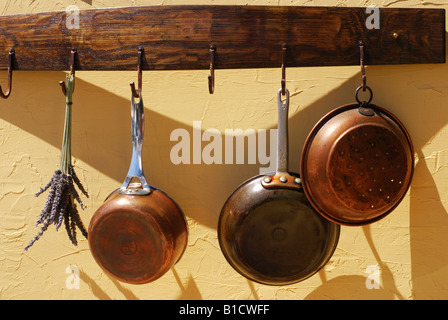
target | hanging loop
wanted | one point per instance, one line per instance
(365, 102)
(136, 93)
(8, 92)
(211, 77)
(361, 62)
(284, 69)
(72, 71)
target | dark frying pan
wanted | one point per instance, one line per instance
(267, 231)
(139, 232)
(357, 163)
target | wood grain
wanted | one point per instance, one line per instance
(178, 37)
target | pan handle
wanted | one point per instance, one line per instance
(282, 178)
(136, 167)
(282, 134)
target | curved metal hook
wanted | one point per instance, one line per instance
(72, 71)
(211, 77)
(8, 92)
(136, 93)
(362, 64)
(284, 69)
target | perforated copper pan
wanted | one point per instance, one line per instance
(357, 164)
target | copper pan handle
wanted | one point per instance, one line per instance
(136, 167)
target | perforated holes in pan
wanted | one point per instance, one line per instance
(367, 168)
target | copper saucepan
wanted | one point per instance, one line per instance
(139, 232)
(357, 163)
(267, 230)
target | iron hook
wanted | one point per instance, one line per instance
(361, 62)
(8, 92)
(284, 69)
(135, 92)
(72, 71)
(211, 77)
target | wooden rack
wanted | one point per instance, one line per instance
(179, 37)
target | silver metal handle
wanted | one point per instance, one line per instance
(282, 133)
(136, 167)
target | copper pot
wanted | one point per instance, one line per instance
(357, 163)
(139, 232)
(267, 230)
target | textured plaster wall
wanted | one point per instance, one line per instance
(409, 246)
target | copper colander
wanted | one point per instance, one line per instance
(357, 164)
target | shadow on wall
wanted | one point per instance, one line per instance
(101, 138)
(385, 289)
(100, 293)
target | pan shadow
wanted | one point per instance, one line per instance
(429, 236)
(101, 138)
(100, 293)
(385, 289)
(188, 292)
(355, 284)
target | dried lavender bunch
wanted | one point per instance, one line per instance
(60, 205)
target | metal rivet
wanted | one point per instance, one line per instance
(395, 35)
(283, 179)
(267, 179)
(297, 180)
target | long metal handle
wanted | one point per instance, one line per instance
(282, 133)
(136, 167)
(282, 178)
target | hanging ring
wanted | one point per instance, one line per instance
(284, 69)
(72, 71)
(211, 77)
(365, 102)
(136, 93)
(8, 92)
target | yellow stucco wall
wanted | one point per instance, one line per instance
(408, 246)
